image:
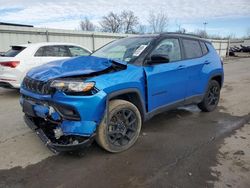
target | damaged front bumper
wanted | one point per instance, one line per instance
(56, 147)
(63, 122)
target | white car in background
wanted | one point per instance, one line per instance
(16, 62)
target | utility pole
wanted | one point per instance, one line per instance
(205, 24)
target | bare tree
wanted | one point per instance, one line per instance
(111, 23)
(141, 29)
(180, 28)
(158, 22)
(201, 33)
(232, 36)
(129, 21)
(87, 25)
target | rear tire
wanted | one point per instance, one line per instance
(211, 98)
(123, 129)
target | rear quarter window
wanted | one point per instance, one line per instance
(14, 51)
(78, 51)
(204, 48)
(192, 48)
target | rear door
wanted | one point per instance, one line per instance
(166, 82)
(195, 60)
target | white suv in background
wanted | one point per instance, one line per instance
(16, 62)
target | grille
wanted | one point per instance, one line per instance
(37, 86)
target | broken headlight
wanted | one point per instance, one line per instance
(71, 86)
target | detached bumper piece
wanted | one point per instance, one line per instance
(52, 143)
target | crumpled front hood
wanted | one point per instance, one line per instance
(83, 65)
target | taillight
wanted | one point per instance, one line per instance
(11, 64)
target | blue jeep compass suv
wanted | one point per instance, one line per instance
(108, 95)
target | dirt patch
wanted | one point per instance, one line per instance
(233, 167)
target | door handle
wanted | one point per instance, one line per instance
(207, 62)
(181, 67)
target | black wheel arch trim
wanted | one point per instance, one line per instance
(127, 91)
(211, 78)
(215, 75)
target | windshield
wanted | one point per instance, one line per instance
(126, 49)
(15, 50)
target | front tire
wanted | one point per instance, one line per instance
(123, 127)
(211, 98)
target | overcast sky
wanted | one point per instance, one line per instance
(223, 16)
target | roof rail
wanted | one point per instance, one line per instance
(184, 34)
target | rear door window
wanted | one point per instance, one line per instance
(192, 48)
(14, 51)
(77, 51)
(52, 51)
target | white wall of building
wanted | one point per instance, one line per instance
(14, 35)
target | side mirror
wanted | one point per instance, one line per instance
(158, 59)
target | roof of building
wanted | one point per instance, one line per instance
(14, 24)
